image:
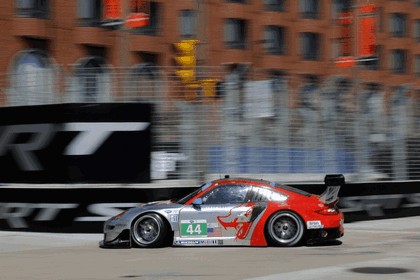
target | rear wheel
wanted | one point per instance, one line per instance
(285, 229)
(149, 230)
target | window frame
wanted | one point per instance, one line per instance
(314, 53)
(395, 59)
(398, 25)
(275, 5)
(279, 34)
(153, 28)
(187, 21)
(92, 18)
(310, 9)
(33, 8)
(239, 40)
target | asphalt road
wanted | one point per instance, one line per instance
(383, 249)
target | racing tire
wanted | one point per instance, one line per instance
(149, 231)
(285, 229)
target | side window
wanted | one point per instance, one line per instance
(226, 194)
(263, 194)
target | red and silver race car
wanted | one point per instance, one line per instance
(232, 212)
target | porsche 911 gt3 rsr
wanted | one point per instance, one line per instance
(232, 212)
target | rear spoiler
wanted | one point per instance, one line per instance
(333, 182)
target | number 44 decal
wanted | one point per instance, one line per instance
(196, 228)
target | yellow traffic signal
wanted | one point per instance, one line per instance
(186, 75)
(186, 59)
(209, 87)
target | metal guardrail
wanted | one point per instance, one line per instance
(251, 123)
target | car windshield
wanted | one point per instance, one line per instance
(203, 187)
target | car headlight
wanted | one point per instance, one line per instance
(119, 215)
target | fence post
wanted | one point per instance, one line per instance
(232, 121)
(399, 132)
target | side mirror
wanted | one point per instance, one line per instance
(197, 202)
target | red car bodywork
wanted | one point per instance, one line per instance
(308, 206)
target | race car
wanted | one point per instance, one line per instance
(232, 212)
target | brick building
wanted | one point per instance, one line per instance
(297, 38)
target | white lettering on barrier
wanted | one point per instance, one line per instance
(104, 211)
(15, 213)
(90, 138)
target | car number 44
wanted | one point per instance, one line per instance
(194, 228)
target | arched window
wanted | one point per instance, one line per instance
(32, 79)
(92, 81)
(144, 82)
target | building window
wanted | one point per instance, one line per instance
(144, 82)
(398, 61)
(310, 46)
(417, 30)
(274, 39)
(32, 8)
(374, 62)
(275, 5)
(235, 33)
(417, 65)
(398, 25)
(153, 27)
(92, 82)
(309, 9)
(32, 79)
(187, 24)
(89, 12)
(339, 6)
(236, 1)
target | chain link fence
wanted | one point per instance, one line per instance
(250, 122)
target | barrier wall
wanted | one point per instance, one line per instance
(83, 209)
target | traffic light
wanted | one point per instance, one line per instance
(186, 59)
(209, 88)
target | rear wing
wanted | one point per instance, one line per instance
(333, 182)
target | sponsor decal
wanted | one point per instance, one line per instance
(173, 218)
(196, 228)
(314, 224)
(188, 242)
(199, 242)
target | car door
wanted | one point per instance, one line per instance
(219, 219)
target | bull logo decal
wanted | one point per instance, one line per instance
(242, 222)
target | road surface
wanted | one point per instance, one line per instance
(382, 249)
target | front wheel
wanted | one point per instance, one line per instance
(285, 229)
(149, 230)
